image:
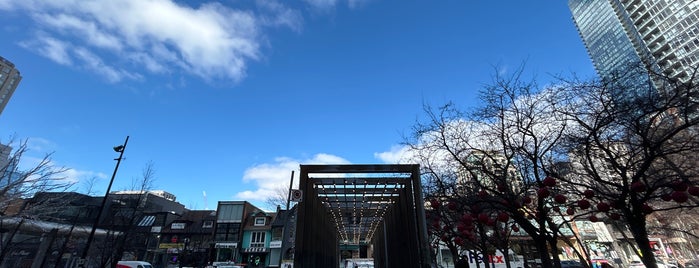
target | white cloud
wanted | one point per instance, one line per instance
(212, 41)
(38, 145)
(73, 25)
(54, 49)
(327, 5)
(75, 175)
(399, 154)
(269, 177)
(280, 15)
(93, 62)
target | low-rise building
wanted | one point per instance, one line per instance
(228, 233)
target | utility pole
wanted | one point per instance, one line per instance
(291, 185)
(119, 149)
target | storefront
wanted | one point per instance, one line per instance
(226, 253)
(256, 257)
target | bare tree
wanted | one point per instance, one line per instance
(18, 184)
(122, 223)
(634, 146)
(502, 152)
(279, 197)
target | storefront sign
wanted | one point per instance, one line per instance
(254, 250)
(171, 245)
(275, 244)
(226, 245)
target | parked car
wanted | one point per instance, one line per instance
(133, 264)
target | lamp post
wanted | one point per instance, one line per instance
(119, 149)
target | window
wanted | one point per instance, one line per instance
(230, 212)
(207, 224)
(277, 233)
(227, 231)
(260, 221)
(257, 240)
(147, 220)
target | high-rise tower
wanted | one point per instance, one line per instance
(9, 79)
(663, 34)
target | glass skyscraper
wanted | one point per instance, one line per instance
(9, 79)
(662, 34)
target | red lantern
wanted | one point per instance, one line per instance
(679, 186)
(679, 196)
(666, 197)
(466, 218)
(483, 217)
(559, 198)
(466, 233)
(490, 222)
(602, 206)
(589, 193)
(434, 203)
(638, 186)
(549, 182)
(615, 216)
(460, 227)
(526, 200)
(503, 217)
(593, 218)
(482, 194)
(570, 211)
(583, 204)
(647, 209)
(543, 192)
(693, 190)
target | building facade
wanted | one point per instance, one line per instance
(185, 241)
(231, 217)
(662, 34)
(257, 235)
(9, 79)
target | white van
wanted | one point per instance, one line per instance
(133, 264)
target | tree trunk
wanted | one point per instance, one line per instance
(637, 225)
(542, 246)
(553, 244)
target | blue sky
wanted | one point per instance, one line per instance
(227, 98)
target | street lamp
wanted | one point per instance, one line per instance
(119, 149)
